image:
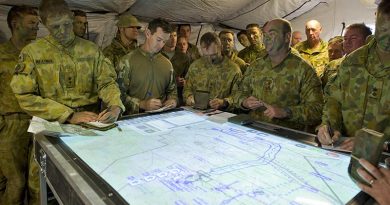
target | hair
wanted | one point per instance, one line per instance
(225, 32)
(180, 25)
(336, 40)
(79, 13)
(242, 32)
(284, 24)
(252, 25)
(18, 12)
(363, 29)
(159, 23)
(209, 38)
(50, 8)
(173, 28)
(384, 7)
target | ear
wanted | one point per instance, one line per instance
(148, 33)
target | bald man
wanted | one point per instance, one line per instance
(314, 49)
(296, 38)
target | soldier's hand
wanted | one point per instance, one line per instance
(274, 112)
(151, 104)
(252, 103)
(170, 103)
(190, 101)
(379, 178)
(109, 115)
(348, 144)
(180, 81)
(324, 136)
(216, 103)
(80, 117)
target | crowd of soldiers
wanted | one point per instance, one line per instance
(310, 85)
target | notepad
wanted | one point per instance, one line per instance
(98, 125)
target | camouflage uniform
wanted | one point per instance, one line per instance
(251, 53)
(116, 50)
(329, 75)
(143, 76)
(218, 80)
(193, 52)
(241, 63)
(180, 62)
(360, 94)
(53, 81)
(318, 58)
(292, 84)
(14, 138)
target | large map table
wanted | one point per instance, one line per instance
(181, 158)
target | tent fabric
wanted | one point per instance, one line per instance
(210, 15)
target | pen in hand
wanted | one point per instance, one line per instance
(330, 132)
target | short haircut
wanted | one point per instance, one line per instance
(173, 28)
(336, 40)
(226, 32)
(50, 8)
(363, 29)
(209, 38)
(181, 25)
(384, 7)
(159, 23)
(79, 13)
(253, 25)
(284, 24)
(17, 12)
(242, 32)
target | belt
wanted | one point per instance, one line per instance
(16, 116)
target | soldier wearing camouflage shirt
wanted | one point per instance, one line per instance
(281, 87)
(14, 138)
(145, 76)
(61, 77)
(212, 73)
(192, 50)
(180, 62)
(228, 49)
(360, 96)
(314, 49)
(354, 38)
(256, 49)
(125, 40)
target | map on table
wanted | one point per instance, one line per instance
(181, 158)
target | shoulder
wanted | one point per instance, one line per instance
(358, 57)
(86, 44)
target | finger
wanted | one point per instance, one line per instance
(371, 168)
(347, 144)
(102, 113)
(323, 135)
(365, 175)
(336, 136)
(365, 188)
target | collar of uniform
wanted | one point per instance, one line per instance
(149, 55)
(268, 59)
(54, 42)
(304, 47)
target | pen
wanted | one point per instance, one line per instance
(330, 131)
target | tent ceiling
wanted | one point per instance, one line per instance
(231, 13)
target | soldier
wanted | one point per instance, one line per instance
(314, 49)
(80, 24)
(228, 49)
(360, 96)
(180, 61)
(296, 38)
(192, 51)
(256, 49)
(61, 77)
(354, 38)
(146, 77)
(243, 39)
(281, 87)
(335, 48)
(125, 40)
(212, 73)
(14, 138)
